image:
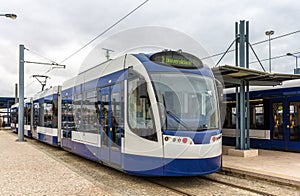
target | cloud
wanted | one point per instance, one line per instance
(57, 28)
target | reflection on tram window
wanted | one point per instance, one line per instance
(36, 118)
(41, 115)
(277, 121)
(259, 118)
(68, 124)
(90, 113)
(27, 116)
(55, 113)
(14, 116)
(189, 102)
(104, 119)
(233, 116)
(140, 115)
(45, 113)
(77, 113)
(257, 115)
(294, 120)
(117, 127)
(80, 113)
(48, 114)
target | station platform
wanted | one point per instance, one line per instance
(279, 166)
(25, 170)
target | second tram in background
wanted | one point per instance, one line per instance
(274, 118)
(144, 114)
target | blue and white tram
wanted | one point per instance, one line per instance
(46, 116)
(14, 117)
(155, 115)
(274, 117)
(27, 117)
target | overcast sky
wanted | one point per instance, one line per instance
(55, 29)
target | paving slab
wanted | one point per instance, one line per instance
(269, 164)
(27, 171)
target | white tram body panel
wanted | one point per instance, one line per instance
(134, 144)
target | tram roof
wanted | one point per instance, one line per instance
(233, 75)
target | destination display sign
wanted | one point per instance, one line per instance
(177, 59)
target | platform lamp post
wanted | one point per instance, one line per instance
(12, 16)
(269, 33)
(296, 70)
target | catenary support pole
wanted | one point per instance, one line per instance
(242, 87)
(237, 141)
(21, 95)
(247, 90)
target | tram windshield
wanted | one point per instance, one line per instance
(188, 101)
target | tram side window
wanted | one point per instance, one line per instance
(55, 113)
(117, 124)
(27, 116)
(104, 118)
(68, 124)
(48, 113)
(14, 116)
(140, 116)
(41, 115)
(35, 115)
(90, 109)
(77, 112)
(230, 117)
(257, 115)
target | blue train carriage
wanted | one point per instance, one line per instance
(155, 115)
(274, 117)
(46, 115)
(14, 117)
(28, 117)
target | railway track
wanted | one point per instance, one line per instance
(117, 182)
(230, 185)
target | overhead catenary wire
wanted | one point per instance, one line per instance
(277, 37)
(256, 43)
(52, 64)
(88, 43)
(42, 56)
(275, 57)
(106, 30)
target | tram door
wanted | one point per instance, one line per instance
(111, 123)
(285, 122)
(293, 124)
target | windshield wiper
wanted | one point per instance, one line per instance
(174, 116)
(177, 119)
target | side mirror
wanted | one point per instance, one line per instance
(219, 89)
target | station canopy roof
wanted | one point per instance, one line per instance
(233, 75)
(6, 102)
